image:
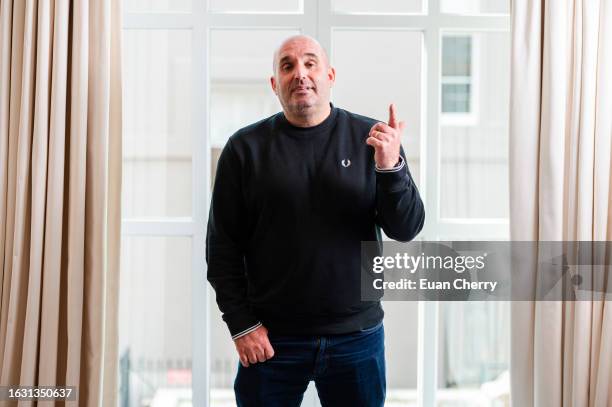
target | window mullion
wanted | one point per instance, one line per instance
(430, 140)
(158, 20)
(241, 21)
(200, 316)
(158, 227)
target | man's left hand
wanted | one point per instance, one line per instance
(386, 140)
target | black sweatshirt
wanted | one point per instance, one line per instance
(290, 207)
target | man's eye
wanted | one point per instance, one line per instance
(286, 67)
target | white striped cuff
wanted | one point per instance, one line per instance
(398, 167)
(246, 331)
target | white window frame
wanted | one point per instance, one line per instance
(317, 20)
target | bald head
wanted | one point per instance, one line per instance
(298, 40)
(302, 80)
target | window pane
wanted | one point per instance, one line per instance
(455, 98)
(401, 359)
(157, 5)
(260, 6)
(155, 321)
(474, 354)
(377, 7)
(240, 70)
(475, 6)
(474, 153)
(456, 56)
(367, 87)
(157, 123)
(366, 83)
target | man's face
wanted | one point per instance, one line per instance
(303, 77)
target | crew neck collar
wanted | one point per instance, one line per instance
(305, 131)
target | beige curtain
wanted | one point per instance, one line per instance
(560, 132)
(60, 182)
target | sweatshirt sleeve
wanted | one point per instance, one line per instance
(225, 246)
(399, 208)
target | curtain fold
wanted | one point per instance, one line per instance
(560, 150)
(60, 183)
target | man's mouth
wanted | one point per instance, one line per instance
(302, 89)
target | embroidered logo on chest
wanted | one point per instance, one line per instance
(346, 163)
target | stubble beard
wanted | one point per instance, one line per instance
(302, 108)
(306, 107)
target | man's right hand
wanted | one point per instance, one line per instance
(254, 347)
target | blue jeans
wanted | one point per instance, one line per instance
(348, 370)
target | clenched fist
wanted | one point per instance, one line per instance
(254, 347)
(386, 140)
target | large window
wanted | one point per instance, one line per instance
(195, 71)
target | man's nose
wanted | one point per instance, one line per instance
(300, 72)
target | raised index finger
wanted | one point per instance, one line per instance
(392, 118)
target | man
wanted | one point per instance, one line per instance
(294, 196)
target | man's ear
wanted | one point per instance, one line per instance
(331, 74)
(273, 83)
